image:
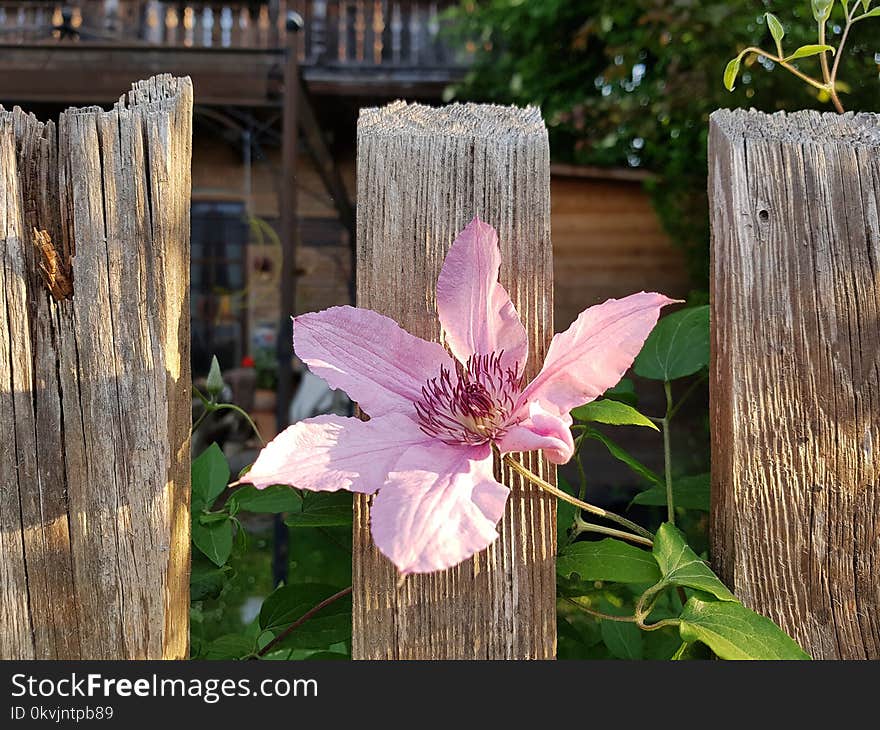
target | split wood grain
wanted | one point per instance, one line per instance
(423, 173)
(795, 385)
(95, 387)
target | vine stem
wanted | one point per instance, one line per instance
(301, 620)
(826, 73)
(599, 614)
(850, 19)
(667, 452)
(582, 526)
(566, 497)
(788, 67)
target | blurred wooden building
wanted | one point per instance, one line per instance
(352, 53)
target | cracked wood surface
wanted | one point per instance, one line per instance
(94, 382)
(795, 384)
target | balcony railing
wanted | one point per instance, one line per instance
(395, 33)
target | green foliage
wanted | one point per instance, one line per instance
(688, 493)
(322, 509)
(624, 640)
(681, 566)
(619, 453)
(620, 601)
(214, 538)
(287, 604)
(613, 413)
(632, 84)
(609, 559)
(223, 574)
(271, 500)
(210, 475)
(677, 347)
(732, 631)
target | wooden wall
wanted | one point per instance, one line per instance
(607, 242)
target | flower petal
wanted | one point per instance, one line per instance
(378, 364)
(475, 310)
(439, 506)
(594, 353)
(329, 453)
(541, 431)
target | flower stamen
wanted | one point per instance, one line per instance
(474, 406)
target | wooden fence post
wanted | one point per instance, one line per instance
(795, 385)
(423, 173)
(95, 385)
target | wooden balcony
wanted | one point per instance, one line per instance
(91, 50)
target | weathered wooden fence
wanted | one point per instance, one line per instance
(795, 378)
(95, 397)
(422, 175)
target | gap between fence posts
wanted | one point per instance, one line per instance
(423, 174)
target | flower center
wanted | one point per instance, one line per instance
(472, 405)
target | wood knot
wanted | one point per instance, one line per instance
(54, 267)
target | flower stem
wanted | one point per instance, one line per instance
(582, 526)
(667, 453)
(565, 497)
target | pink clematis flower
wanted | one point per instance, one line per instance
(434, 416)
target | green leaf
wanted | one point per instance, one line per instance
(688, 492)
(624, 391)
(214, 383)
(210, 475)
(214, 540)
(618, 453)
(206, 581)
(228, 646)
(565, 514)
(289, 603)
(678, 346)
(777, 30)
(608, 559)
(271, 500)
(623, 639)
(870, 14)
(809, 50)
(733, 631)
(731, 71)
(681, 566)
(822, 10)
(613, 413)
(322, 509)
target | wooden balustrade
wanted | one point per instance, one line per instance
(400, 33)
